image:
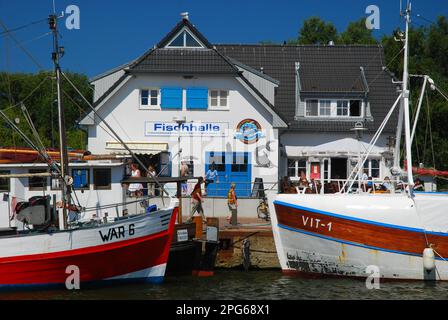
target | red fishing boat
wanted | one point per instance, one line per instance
(55, 247)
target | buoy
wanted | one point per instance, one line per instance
(429, 261)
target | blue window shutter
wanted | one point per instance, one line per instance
(197, 98)
(80, 178)
(171, 98)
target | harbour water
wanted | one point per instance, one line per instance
(229, 285)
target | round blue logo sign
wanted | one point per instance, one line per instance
(248, 131)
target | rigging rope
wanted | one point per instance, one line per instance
(20, 46)
(22, 27)
(28, 96)
(117, 136)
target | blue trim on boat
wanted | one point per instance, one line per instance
(349, 242)
(359, 219)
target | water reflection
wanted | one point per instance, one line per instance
(228, 285)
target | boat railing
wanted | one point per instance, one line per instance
(331, 186)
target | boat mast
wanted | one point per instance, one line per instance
(65, 188)
(405, 97)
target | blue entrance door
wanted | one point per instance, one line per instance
(231, 167)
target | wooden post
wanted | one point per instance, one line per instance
(198, 221)
(179, 196)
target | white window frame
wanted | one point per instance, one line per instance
(149, 106)
(320, 105)
(369, 167)
(333, 109)
(336, 115)
(201, 45)
(219, 106)
(306, 106)
(296, 167)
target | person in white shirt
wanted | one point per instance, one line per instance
(135, 188)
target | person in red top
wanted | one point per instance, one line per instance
(196, 201)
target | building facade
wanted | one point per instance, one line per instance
(256, 113)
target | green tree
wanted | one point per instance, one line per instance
(427, 56)
(38, 91)
(317, 31)
(357, 33)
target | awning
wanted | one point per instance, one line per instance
(340, 148)
(137, 147)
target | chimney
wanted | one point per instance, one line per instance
(184, 15)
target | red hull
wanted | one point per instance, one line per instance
(94, 263)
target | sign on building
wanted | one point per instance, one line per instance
(161, 128)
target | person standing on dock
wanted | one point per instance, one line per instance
(232, 202)
(196, 200)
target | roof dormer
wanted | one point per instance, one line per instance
(184, 35)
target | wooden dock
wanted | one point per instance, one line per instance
(249, 245)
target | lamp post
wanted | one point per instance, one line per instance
(179, 120)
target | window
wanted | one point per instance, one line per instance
(219, 159)
(240, 162)
(197, 98)
(296, 167)
(325, 108)
(102, 179)
(37, 183)
(190, 165)
(55, 183)
(342, 108)
(219, 98)
(355, 108)
(292, 168)
(171, 98)
(149, 97)
(223, 98)
(184, 40)
(373, 168)
(164, 166)
(190, 41)
(311, 108)
(333, 108)
(178, 41)
(5, 182)
(81, 178)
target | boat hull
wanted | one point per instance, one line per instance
(130, 249)
(342, 235)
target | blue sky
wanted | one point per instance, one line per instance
(115, 32)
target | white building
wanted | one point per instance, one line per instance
(257, 112)
(307, 97)
(228, 111)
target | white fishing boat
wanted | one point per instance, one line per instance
(404, 234)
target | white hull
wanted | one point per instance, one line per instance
(340, 244)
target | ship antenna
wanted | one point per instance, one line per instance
(64, 178)
(405, 97)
